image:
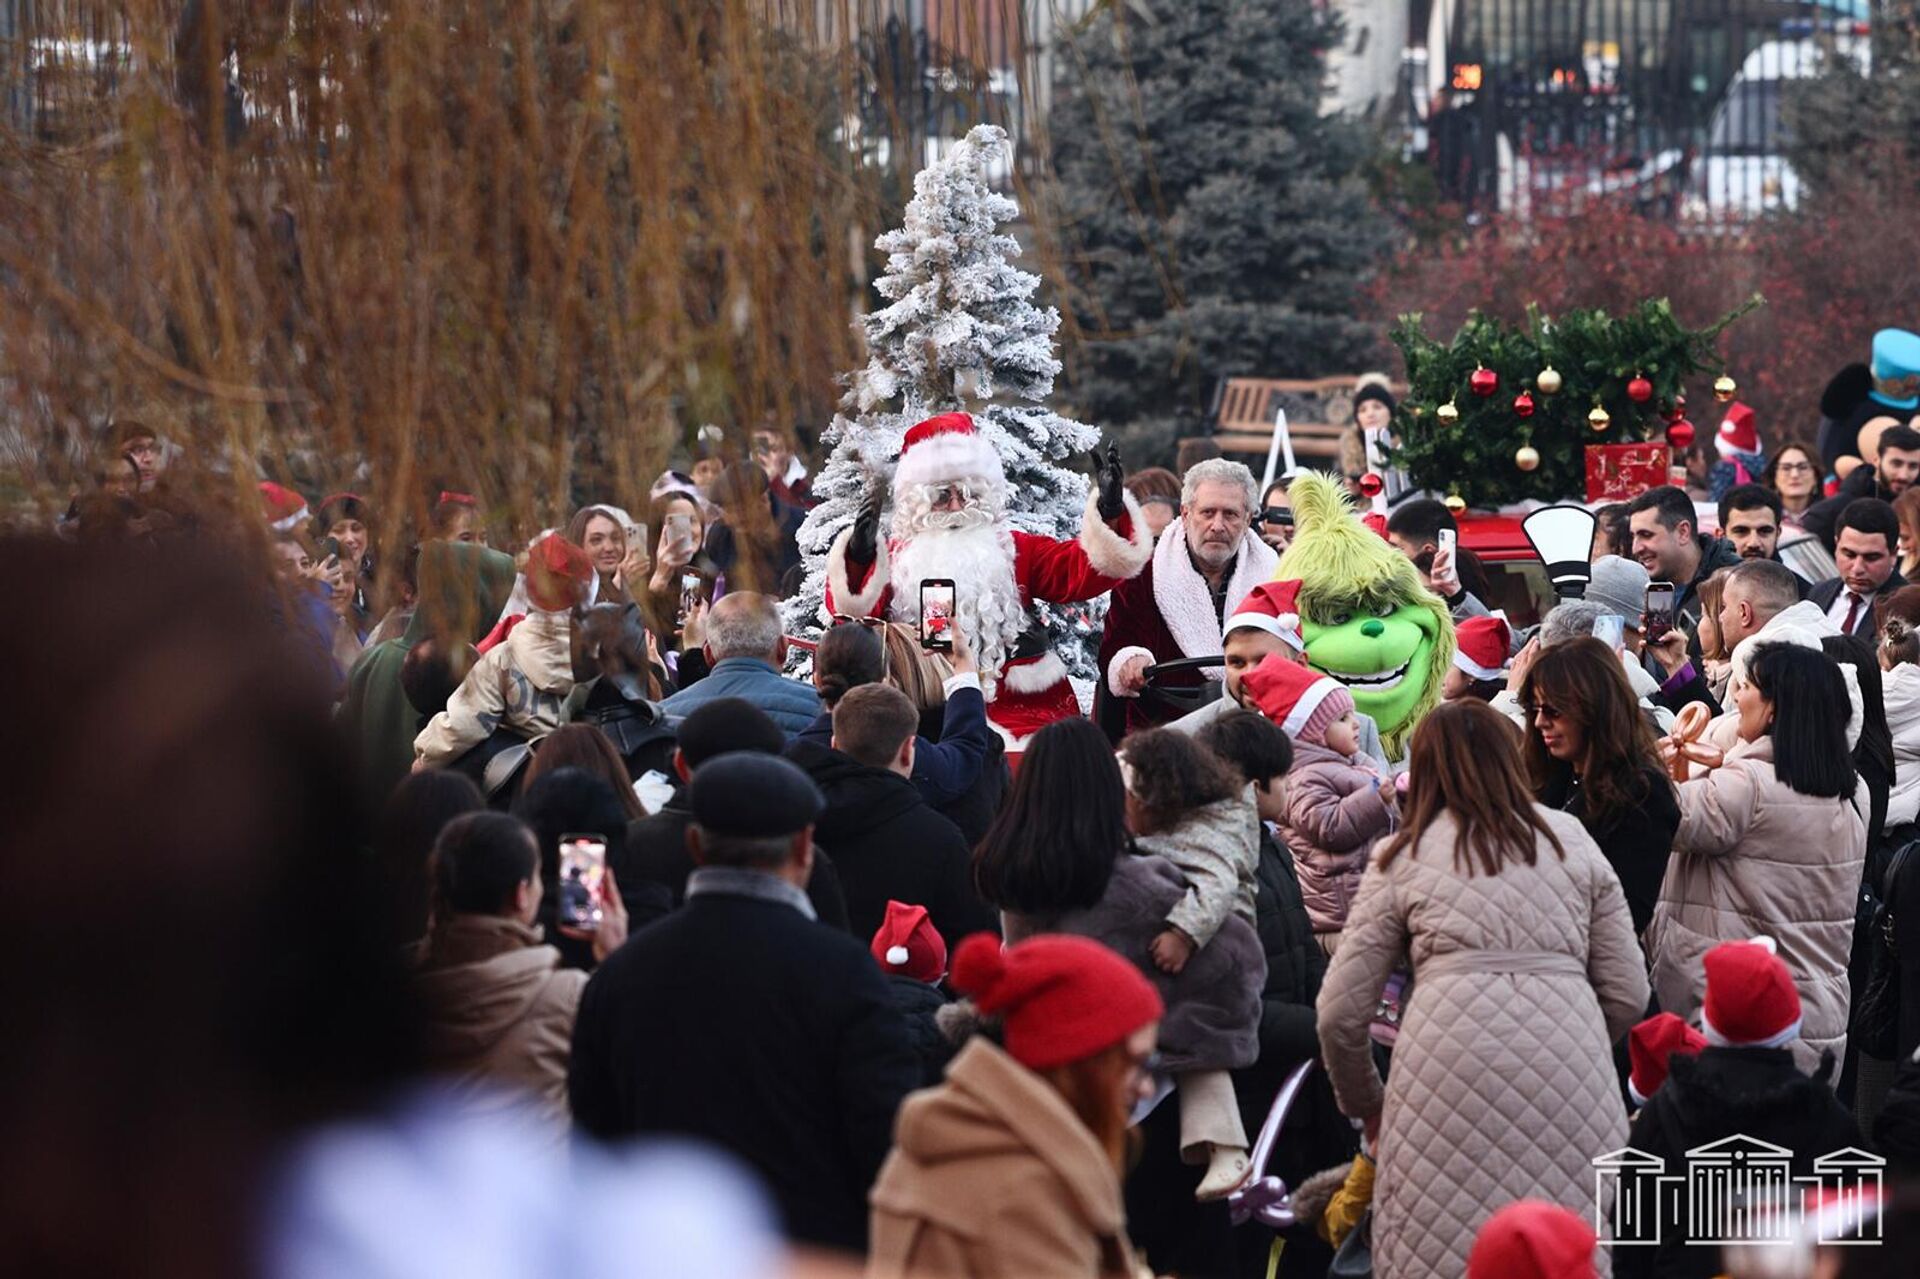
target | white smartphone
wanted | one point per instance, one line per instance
(1448, 539)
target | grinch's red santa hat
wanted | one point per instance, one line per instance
(1272, 607)
(1651, 1045)
(285, 509)
(947, 447)
(1751, 1001)
(1482, 645)
(1737, 433)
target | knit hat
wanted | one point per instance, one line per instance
(908, 943)
(285, 509)
(1651, 1045)
(1737, 432)
(1060, 999)
(1619, 586)
(1483, 645)
(556, 571)
(1751, 1001)
(1303, 702)
(1272, 607)
(1532, 1239)
(947, 447)
(1373, 391)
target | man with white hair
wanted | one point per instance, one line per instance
(1204, 565)
(949, 522)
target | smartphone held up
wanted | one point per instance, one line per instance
(936, 614)
(1657, 620)
(583, 864)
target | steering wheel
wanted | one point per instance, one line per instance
(1164, 704)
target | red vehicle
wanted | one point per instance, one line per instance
(1519, 583)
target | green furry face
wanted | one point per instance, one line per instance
(1383, 656)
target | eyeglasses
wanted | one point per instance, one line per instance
(1794, 468)
(945, 494)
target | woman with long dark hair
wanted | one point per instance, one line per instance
(1591, 754)
(1795, 476)
(1772, 842)
(1525, 972)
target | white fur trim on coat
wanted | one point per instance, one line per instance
(1181, 594)
(1108, 552)
(848, 602)
(1036, 676)
(1120, 659)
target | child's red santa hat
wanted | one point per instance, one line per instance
(1303, 702)
(947, 447)
(1751, 1001)
(1737, 432)
(557, 573)
(1482, 645)
(907, 943)
(1533, 1239)
(1651, 1045)
(285, 509)
(1272, 607)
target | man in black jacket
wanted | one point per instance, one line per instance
(655, 852)
(739, 1020)
(886, 843)
(1669, 545)
(1895, 469)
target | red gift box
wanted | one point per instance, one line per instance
(1622, 472)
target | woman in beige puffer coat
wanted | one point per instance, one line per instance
(1771, 843)
(1525, 972)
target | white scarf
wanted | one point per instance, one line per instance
(1185, 603)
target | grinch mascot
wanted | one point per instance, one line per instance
(949, 522)
(1367, 620)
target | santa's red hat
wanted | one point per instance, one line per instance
(907, 943)
(1272, 607)
(1651, 1045)
(947, 447)
(1751, 1001)
(1303, 702)
(1737, 432)
(285, 509)
(1533, 1239)
(1060, 999)
(556, 572)
(1482, 645)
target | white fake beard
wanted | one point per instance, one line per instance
(986, 596)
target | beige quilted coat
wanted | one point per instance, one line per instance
(1503, 1085)
(1753, 857)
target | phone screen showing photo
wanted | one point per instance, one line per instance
(936, 614)
(1659, 615)
(583, 863)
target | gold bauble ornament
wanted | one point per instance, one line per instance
(1548, 381)
(1447, 413)
(1599, 419)
(1526, 457)
(1455, 504)
(1725, 388)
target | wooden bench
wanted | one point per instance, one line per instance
(1318, 413)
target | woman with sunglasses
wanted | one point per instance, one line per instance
(1591, 754)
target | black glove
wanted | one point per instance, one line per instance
(1108, 475)
(864, 546)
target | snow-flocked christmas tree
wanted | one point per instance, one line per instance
(960, 331)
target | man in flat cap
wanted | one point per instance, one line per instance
(743, 1021)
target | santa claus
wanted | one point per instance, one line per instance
(949, 521)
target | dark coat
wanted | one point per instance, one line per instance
(1825, 593)
(1716, 553)
(1213, 1005)
(1903, 898)
(1724, 1092)
(654, 857)
(1823, 517)
(740, 1022)
(919, 1006)
(1896, 1131)
(1636, 842)
(888, 845)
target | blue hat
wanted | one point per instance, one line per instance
(1896, 368)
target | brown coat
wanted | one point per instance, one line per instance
(1503, 1085)
(499, 1009)
(993, 1175)
(1753, 857)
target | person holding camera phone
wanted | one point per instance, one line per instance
(674, 596)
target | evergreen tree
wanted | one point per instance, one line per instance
(1214, 222)
(1854, 136)
(959, 331)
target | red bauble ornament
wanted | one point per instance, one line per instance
(1484, 381)
(1675, 411)
(1639, 390)
(1523, 404)
(1371, 484)
(1680, 433)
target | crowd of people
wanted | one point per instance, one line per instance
(561, 906)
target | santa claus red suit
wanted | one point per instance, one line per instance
(949, 520)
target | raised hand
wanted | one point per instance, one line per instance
(864, 546)
(1108, 475)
